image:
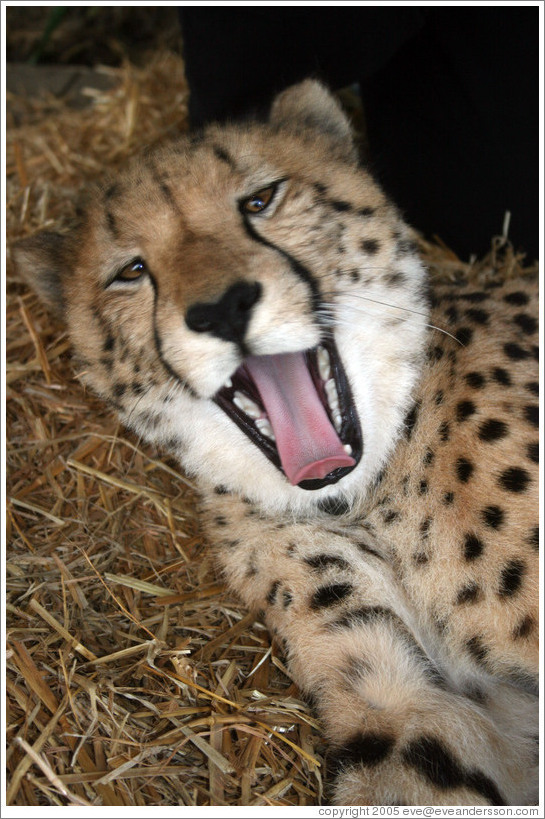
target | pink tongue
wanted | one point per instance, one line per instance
(306, 441)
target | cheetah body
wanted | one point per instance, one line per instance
(401, 577)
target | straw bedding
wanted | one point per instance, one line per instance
(133, 676)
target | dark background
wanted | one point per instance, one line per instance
(450, 94)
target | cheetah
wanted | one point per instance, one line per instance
(365, 444)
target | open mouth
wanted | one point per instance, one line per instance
(297, 408)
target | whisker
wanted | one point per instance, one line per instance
(393, 306)
(337, 321)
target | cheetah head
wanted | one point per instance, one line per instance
(248, 298)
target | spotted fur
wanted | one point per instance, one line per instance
(405, 591)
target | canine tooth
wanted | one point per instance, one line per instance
(264, 426)
(246, 405)
(337, 420)
(348, 449)
(324, 367)
(228, 384)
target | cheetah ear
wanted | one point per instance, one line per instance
(40, 261)
(310, 105)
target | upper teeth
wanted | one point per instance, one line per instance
(324, 367)
(247, 405)
(264, 426)
(333, 400)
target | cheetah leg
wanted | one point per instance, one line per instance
(399, 731)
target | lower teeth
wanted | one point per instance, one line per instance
(264, 426)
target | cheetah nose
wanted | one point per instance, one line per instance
(228, 317)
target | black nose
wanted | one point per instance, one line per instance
(227, 318)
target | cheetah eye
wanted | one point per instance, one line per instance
(257, 202)
(132, 272)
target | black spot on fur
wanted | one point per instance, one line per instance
(221, 490)
(370, 246)
(220, 520)
(478, 316)
(448, 498)
(478, 651)
(475, 380)
(517, 298)
(524, 627)
(475, 297)
(287, 598)
(532, 450)
(368, 211)
(476, 694)
(444, 431)
(411, 419)
(493, 516)
(340, 206)
(394, 279)
(452, 313)
(334, 506)
(464, 409)
(436, 353)
(528, 324)
(531, 414)
(515, 352)
(473, 546)
(511, 578)
(492, 430)
(390, 515)
(223, 156)
(468, 594)
(428, 458)
(320, 188)
(479, 782)
(533, 387)
(329, 595)
(120, 390)
(324, 561)
(271, 594)
(432, 760)
(420, 558)
(425, 527)
(366, 548)
(464, 470)
(439, 397)
(109, 343)
(464, 335)
(533, 538)
(366, 749)
(361, 616)
(514, 479)
(501, 376)
(423, 488)
(437, 764)
(111, 191)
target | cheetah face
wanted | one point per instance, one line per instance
(248, 299)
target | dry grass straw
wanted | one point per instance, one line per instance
(133, 676)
